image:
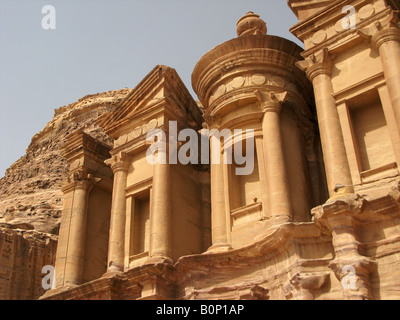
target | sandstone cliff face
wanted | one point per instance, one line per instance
(30, 195)
(23, 254)
(31, 199)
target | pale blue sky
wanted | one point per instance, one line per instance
(104, 45)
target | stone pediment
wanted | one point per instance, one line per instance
(306, 8)
(162, 87)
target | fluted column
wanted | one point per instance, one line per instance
(160, 228)
(280, 204)
(387, 41)
(318, 68)
(70, 259)
(119, 165)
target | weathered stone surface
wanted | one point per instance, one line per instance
(311, 221)
(31, 197)
(30, 190)
(23, 254)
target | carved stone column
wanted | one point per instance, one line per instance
(160, 220)
(119, 165)
(318, 68)
(70, 259)
(351, 268)
(279, 195)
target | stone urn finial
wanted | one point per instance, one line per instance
(251, 24)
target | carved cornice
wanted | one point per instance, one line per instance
(330, 28)
(161, 87)
(305, 8)
(81, 144)
(266, 247)
(246, 63)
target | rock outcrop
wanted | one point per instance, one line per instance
(30, 194)
(31, 199)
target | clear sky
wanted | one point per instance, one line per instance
(102, 45)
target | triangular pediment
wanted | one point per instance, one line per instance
(307, 8)
(161, 86)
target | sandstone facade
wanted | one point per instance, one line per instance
(317, 217)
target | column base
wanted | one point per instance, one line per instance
(281, 219)
(113, 270)
(112, 273)
(158, 260)
(340, 196)
(219, 247)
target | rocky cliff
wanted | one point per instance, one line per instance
(31, 199)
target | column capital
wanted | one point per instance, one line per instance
(118, 162)
(79, 179)
(317, 64)
(271, 101)
(308, 282)
(385, 35)
(383, 31)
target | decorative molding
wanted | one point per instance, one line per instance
(138, 187)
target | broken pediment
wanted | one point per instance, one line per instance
(161, 89)
(304, 9)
